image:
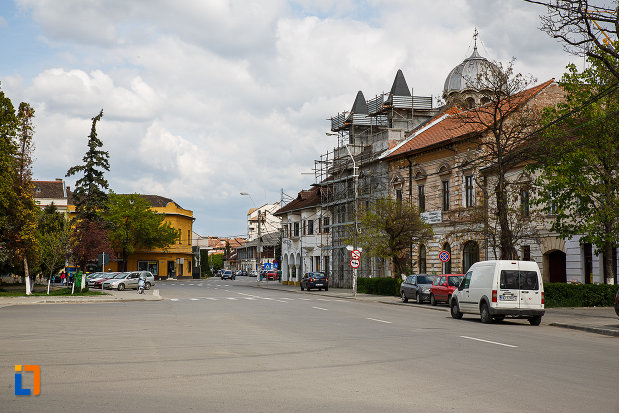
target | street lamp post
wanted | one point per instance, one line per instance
(355, 174)
(259, 245)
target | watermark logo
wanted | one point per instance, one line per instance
(19, 390)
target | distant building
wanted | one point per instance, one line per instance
(51, 192)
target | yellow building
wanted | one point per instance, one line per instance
(173, 262)
(176, 260)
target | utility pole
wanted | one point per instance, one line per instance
(355, 174)
(259, 248)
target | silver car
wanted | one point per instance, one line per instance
(129, 280)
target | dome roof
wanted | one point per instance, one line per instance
(461, 76)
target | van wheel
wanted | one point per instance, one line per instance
(455, 311)
(404, 299)
(485, 314)
(535, 321)
(432, 299)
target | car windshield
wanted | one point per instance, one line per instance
(425, 279)
(316, 275)
(454, 281)
(122, 275)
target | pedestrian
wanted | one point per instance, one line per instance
(62, 278)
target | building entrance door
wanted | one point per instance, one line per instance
(171, 269)
(556, 265)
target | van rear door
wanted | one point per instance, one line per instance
(508, 294)
(530, 286)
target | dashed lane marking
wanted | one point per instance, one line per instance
(320, 308)
(491, 342)
(380, 321)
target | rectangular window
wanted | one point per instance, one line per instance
(304, 227)
(152, 266)
(526, 253)
(468, 191)
(310, 227)
(421, 193)
(325, 226)
(398, 195)
(188, 237)
(524, 202)
(296, 229)
(445, 195)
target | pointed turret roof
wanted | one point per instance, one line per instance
(360, 107)
(399, 87)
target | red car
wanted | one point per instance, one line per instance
(443, 286)
(272, 275)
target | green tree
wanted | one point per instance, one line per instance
(579, 165)
(22, 223)
(8, 152)
(53, 240)
(89, 194)
(389, 228)
(134, 226)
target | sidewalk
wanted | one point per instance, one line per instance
(110, 296)
(599, 320)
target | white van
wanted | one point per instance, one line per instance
(495, 289)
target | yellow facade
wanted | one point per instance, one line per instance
(176, 260)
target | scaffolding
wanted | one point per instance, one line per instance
(363, 135)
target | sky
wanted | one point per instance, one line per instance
(205, 99)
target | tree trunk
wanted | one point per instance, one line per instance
(609, 277)
(27, 277)
(506, 241)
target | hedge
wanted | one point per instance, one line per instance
(579, 295)
(555, 294)
(379, 286)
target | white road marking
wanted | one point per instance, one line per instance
(320, 308)
(249, 298)
(487, 341)
(380, 321)
(173, 299)
(305, 299)
(230, 298)
(322, 299)
(192, 284)
(194, 299)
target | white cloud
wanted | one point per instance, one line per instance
(205, 99)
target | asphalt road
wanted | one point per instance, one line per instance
(226, 346)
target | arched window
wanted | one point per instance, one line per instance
(422, 259)
(470, 103)
(470, 255)
(447, 265)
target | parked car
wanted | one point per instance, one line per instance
(495, 289)
(272, 275)
(227, 274)
(617, 303)
(97, 282)
(315, 280)
(416, 287)
(128, 280)
(443, 287)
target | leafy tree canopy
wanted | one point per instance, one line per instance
(135, 226)
(389, 228)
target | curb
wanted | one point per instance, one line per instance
(587, 329)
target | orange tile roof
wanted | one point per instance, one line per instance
(454, 124)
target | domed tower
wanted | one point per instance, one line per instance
(463, 82)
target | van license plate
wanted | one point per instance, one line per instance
(508, 297)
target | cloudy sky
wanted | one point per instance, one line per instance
(204, 99)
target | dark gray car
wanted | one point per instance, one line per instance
(416, 287)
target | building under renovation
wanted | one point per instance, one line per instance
(351, 175)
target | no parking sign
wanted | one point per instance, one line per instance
(444, 256)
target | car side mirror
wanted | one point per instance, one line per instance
(444, 284)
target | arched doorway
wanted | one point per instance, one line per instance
(470, 255)
(556, 266)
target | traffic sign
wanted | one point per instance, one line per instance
(355, 263)
(355, 254)
(444, 256)
(267, 265)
